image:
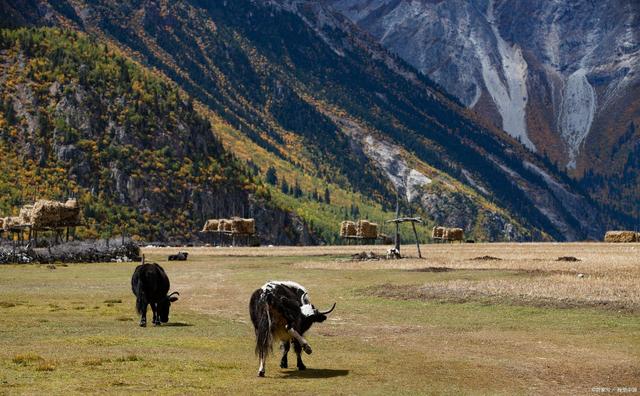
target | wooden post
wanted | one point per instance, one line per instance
(67, 234)
(417, 241)
(397, 237)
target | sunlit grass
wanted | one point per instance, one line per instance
(372, 344)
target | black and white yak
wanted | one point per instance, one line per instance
(150, 284)
(282, 310)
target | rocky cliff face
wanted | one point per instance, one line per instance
(561, 77)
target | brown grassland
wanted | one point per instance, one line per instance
(468, 318)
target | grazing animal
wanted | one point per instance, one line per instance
(180, 256)
(281, 309)
(150, 284)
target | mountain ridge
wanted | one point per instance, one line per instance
(561, 77)
(256, 75)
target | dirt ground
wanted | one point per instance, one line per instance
(517, 322)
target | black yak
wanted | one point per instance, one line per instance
(281, 309)
(180, 256)
(150, 284)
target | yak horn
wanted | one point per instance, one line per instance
(329, 311)
(302, 302)
(173, 294)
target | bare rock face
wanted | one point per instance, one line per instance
(454, 209)
(556, 75)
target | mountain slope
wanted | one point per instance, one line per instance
(307, 88)
(78, 119)
(562, 77)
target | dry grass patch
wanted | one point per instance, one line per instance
(95, 362)
(26, 359)
(557, 290)
(132, 357)
(45, 366)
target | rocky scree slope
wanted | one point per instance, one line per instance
(561, 77)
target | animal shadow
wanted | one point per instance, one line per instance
(315, 373)
(176, 324)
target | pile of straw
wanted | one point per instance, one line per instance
(52, 214)
(437, 232)
(366, 229)
(224, 225)
(348, 229)
(210, 225)
(25, 214)
(10, 222)
(243, 226)
(621, 236)
(454, 234)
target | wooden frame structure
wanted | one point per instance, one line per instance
(227, 238)
(356, 238)
(33, 232)
(413, 221)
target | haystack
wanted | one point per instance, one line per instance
(25, 214)
(621, 236)
(210, 225)
(224, 225)
(10, 222)
(454, 234)
(348, 229)
(243, 226)
(52, 214)
(437, 232)
(366, 229)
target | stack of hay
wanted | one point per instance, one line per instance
(210, 225)
(25, 214)
(243, 226)
(224, 225)
(348, 229)
(437, 232)
(367, 230)
(52, 214)
(621, 236)
(454, 234)
(10, 222)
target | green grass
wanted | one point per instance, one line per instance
(370, 345)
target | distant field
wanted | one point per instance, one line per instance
(515, 322)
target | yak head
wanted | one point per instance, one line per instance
(311, 313)
(165, 304)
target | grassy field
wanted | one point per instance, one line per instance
(517, 322)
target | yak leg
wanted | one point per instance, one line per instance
(298, 348)
(156, 317)
(305, 345)
(261, 369)
(142, 309)
(285, 349)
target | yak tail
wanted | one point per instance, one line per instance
(141, 303)
(264, 338)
